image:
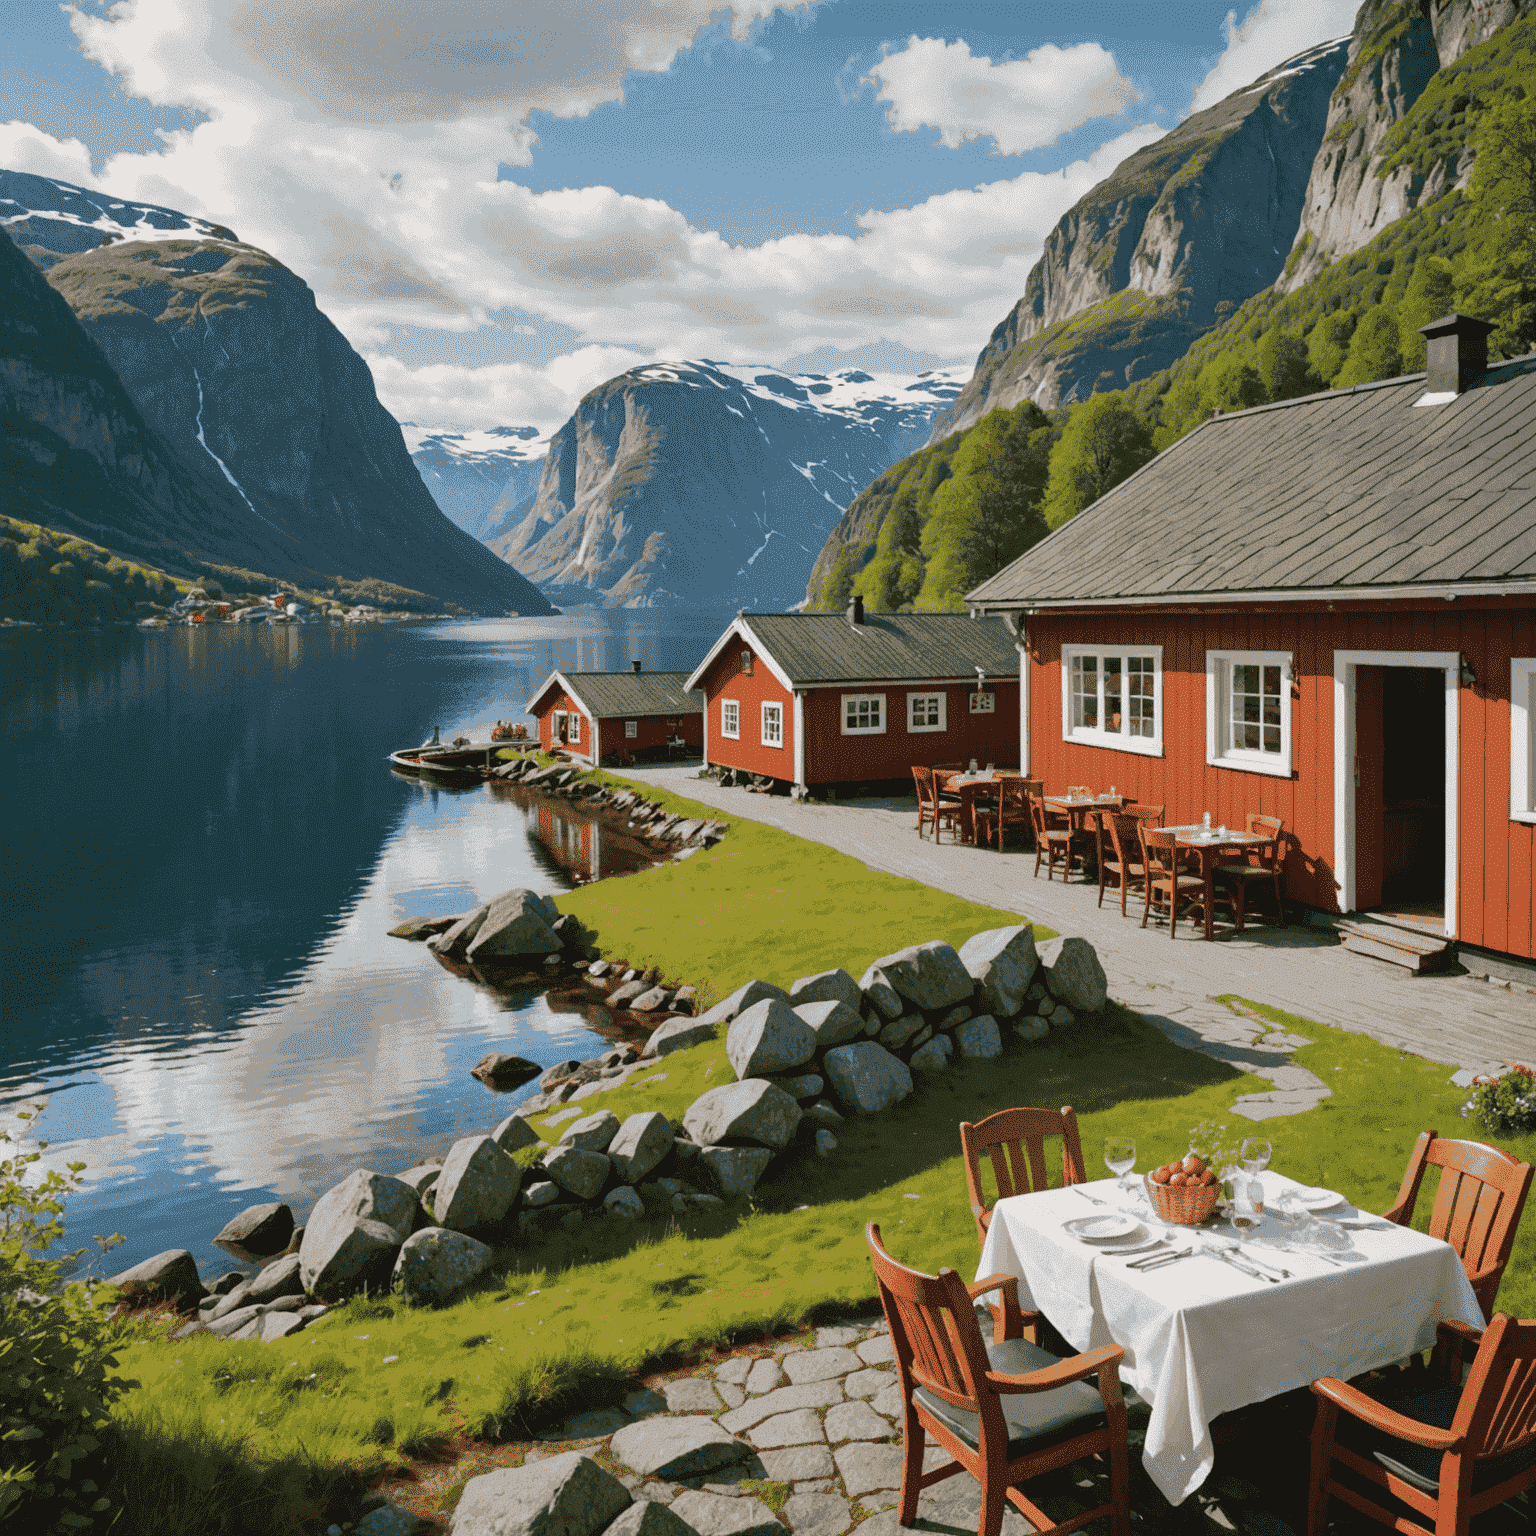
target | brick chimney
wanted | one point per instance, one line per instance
(634, 666)
(1458, 353)
(855, 610)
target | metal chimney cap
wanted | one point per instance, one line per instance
(634, 666)
(1455, 324)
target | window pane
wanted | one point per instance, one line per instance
(1114, 706)
(1142, 695)
(1271, 738)
(1272, 681)
(1085, 692)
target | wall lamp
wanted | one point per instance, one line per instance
(1468, 676)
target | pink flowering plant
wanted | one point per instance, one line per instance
(1506, 1103)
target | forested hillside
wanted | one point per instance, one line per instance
(947, 517)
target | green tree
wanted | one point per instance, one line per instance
(1328, 345)
(1228, 384)
(1373, 349)
(1431, 293)
(1103, 442)
(838, 587)
(1499, 280)
(1178, 412)
(1284, 366)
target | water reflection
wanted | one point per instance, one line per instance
(208, 850)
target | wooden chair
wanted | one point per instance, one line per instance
(1006, 1411)
(1161, 859)
(1127, 867)
(1151, 814)
(1446, 1451)
(1054, 838)
(1014, 1142)
(1259, 864)
(933, 805)
(1011, 809)
(1477, 1206)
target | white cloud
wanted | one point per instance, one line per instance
(1274, 31)
(25, 148)
(1019, 104)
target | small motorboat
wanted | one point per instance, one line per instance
(446, 765)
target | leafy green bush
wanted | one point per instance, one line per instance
(1505, 1104)
(56, 1351)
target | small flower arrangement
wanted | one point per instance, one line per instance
(1215, 1147)
(1506, 1103)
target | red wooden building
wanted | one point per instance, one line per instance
(609, 717)
(1322, 610)
(818, 699)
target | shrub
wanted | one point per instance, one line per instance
(55, 1355)
(1505, 1104)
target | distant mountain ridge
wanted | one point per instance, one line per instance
(231, 365)
(481, 479)
(682, 482)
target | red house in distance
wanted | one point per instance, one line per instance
(1322, 610)
(598, 717)
(819, 699)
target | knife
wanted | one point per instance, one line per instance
(1228, 1257)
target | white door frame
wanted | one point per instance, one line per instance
(1344, 711)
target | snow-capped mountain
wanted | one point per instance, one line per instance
(473, 474)
(690, 482)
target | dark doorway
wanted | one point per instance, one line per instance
(1400, 791)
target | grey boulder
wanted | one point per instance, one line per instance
(258, 1231)
(624, 1203)
(169, 1276)
(979, 1039)
(899, 1032)
(878, 993)
(567, 1495)
(753, 1111)
(928, 976)
(1002, 963)
(826, 987)
(593, 1133)
(346, 1255)
(434, 1265)
(742, 999)
(641, 1143)
(1031, 1028)
(421, 1178)
(768, 1037)
(832, 1021)
(518, 922)
(932, 1057)
(678, 1035)
(808, 1085)
(649, 1517)
(477, 1185)
(734, 1171)
(1072, 971)
(455, 940)
(866, 1078)
(676, 1447)
(577, 1172)
(513, 1133)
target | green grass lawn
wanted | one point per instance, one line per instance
(237, 1437)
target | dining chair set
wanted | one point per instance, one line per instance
(985, 810)
(1443, 1444)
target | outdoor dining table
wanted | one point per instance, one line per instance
(1208, 843)
(1200, 1336)
(1082, 808)
(971, 789)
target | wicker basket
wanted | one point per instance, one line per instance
(1184, 1204)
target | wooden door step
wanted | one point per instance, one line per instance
(1411, 948)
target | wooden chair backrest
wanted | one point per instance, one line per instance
(1014, 794)
(1159, 850)
(1036, 812)
(1270, 827)
(923, 777)
(1013, 1141)
(1125, 834)
(1497, 1411)
(1145, 812)
(934, 1333)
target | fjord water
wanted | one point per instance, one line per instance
(204, 848)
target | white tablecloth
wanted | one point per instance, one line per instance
(1201, 1338)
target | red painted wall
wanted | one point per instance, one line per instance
(726, 680)
(1495, 854)
(652, 734)
(833, 758)
(554, 700)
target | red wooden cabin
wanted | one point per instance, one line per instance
(1322, 610)
(615, 717)
(817, 699)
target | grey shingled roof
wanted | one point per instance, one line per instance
(633, 694)
(1352, 490)
(886, 647)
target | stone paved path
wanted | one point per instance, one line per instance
(1459, 1020)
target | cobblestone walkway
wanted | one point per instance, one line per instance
(1458, 1020)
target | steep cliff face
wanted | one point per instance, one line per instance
(228, 360)
(1357, 187)
(1181, 233)
(690, 482)
(483, 481)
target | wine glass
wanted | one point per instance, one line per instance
(1254, 1154)
(1120, 1157)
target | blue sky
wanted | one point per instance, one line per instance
(502, 204)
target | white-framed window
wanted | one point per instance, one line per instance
(983, 703)
(746, 663)
(926, 712)
(730, 719)
(1522, 738)
(1248, 711)
(631, 729)
(557, 732)
(773, 725)
(574, 721)
(863, 714)
(1113, 698)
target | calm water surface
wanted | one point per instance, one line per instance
(203, 848)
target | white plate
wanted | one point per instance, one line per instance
(1101, 1229)
(1319, 1199)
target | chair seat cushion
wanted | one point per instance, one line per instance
(1034, 1419)
(1185, 882)
(1416, 1464)
(1245, 871)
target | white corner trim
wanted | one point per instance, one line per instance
(1344, 665)
(1522, 726)
(800, 737)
